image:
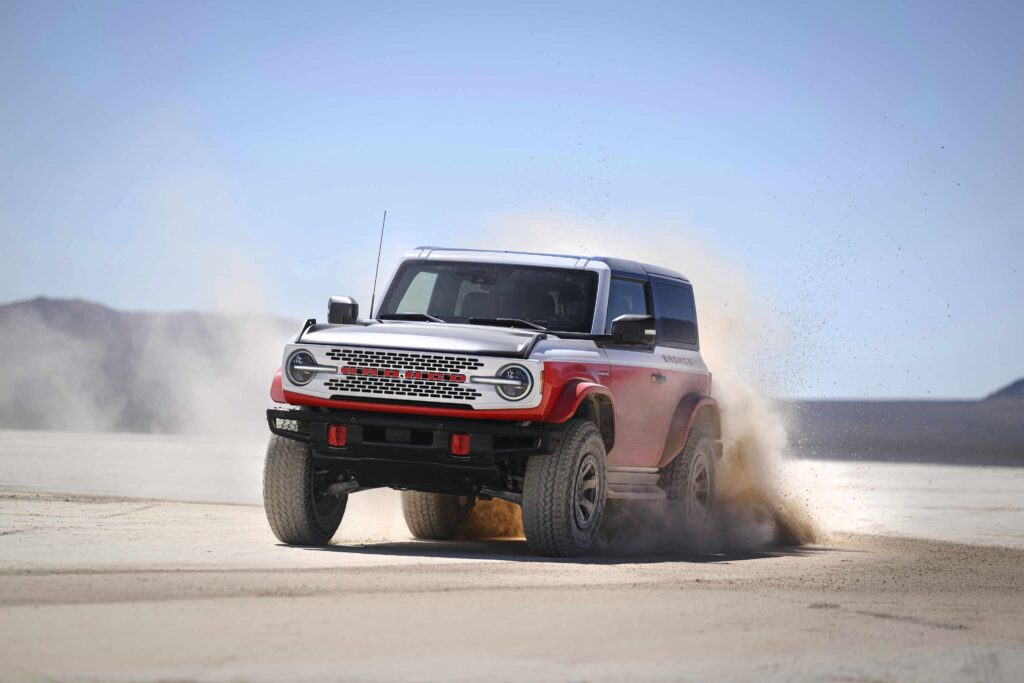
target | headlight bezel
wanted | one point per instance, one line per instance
(302, 379)
(526, 376)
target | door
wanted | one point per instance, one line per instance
(678, 346)
(637, 383)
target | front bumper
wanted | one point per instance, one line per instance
(413, 452)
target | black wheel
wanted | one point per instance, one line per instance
(299, 511)
(436, 516)
(564, 493)
(689, 480)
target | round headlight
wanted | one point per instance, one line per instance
(296, 360)
(515, 392)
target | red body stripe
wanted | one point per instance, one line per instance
(554, 405)
(643, 411)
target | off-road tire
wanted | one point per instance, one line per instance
(681, 480)
(298, 515)
(551, 520)
(436, 516)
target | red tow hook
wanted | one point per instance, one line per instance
(337, 435)
(459, 444)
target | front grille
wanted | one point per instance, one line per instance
(376, 385)
(399, 388)
(400, 360)
(443, 378)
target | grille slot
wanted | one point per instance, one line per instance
(398, 388)
(401, 360)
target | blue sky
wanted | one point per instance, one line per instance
(860, 160)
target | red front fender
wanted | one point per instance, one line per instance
(573, 393)
(276, 390)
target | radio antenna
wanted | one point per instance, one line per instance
(377, 269)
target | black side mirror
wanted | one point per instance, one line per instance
(342, 310)
(634, 330)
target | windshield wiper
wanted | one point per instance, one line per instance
(411, 317)
(508, 322)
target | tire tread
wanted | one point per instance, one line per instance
(434, 516)
(676, 475)
(288, 495)
(548, 494)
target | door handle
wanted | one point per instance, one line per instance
(658, 378)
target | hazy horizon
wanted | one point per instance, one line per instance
(297, 322)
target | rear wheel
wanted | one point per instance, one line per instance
(294, 498)
(564, 493)
(689, 480)
(436, 516)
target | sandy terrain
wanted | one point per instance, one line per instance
(977, 505)
(113, 588)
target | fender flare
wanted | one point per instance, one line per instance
(594, 400)
(691, 408)
(573, 393)
(276, 389)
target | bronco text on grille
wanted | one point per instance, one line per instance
(398, 374)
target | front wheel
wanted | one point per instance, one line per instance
(564, 493)
(298, 509)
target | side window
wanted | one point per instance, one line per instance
(624, 297)
(677, 315)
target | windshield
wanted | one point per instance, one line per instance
(559, 299)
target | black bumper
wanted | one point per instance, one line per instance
(413, 452)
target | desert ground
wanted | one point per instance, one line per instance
(143, 557)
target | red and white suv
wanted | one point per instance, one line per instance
(555, 382)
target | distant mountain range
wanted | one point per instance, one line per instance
(956, 432)
(989, 431)
(1012, 390)
(76, 365)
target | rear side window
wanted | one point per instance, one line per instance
(676, 313)
(625, 297)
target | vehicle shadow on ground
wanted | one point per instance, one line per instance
(517, 550)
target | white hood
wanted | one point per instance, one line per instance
(416, 336)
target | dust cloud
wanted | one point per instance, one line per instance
(494, 518)
(74, 365)
(78, 366)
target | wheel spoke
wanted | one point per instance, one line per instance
(700, 488)
(585, 495)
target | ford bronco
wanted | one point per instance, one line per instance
(554, 382)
